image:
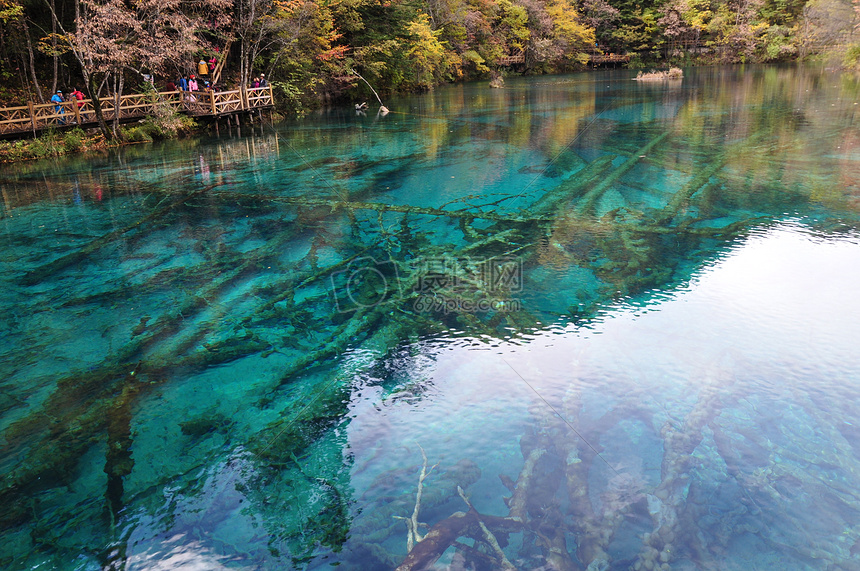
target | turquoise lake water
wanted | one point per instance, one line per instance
(622, 317)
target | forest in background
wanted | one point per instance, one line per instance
(312, 49)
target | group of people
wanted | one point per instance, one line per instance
(201, 80)
(193, 83)
(190, 84)
(207, 68)
(58, 100)
(205, 71)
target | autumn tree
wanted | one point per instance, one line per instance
(827, 23)
(111, 37)
(571, 35)
(309, 59)
(637, 27)
(431, 61)
(684, 22)
(260, 26)
(602, 17)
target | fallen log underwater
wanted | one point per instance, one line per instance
(560, 227)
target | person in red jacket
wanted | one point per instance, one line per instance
(76, 93)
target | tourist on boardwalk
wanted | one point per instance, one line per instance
(202, 68)
(76, 93)
(213, 63)
(183, 83)
(58, 108)
(170, 86)
(192, 84)
(256, 82)
(263, 82)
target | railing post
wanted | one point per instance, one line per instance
(77, 111)
(243, 95)
(212, 101)
(176, 100)
(32, 116)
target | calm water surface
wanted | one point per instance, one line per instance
(621, 317)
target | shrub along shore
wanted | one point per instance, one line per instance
(54, 143)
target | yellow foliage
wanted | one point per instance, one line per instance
(63, 43)
(429, 56)
(475, 58)
(515, 19)
(10, 10)
(426, 47)
(698, 14)
(566, 24)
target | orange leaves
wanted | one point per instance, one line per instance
(337, 52)
(291, 7)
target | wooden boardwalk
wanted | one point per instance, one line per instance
(512, 59)
(35, 117)
(594, 58)
(597, 58)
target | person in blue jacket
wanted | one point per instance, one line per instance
(183, 83)
(58, 108)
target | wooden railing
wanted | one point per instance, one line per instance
(512, 59)
(39, 116)
(608, 58)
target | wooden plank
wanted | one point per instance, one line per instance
(32, 117)
(10, 109)
(15, 121)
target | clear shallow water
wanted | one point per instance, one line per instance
(203, 368)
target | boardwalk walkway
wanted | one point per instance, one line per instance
(512, 59)
(594, 57)
(35, 117)
(598, 58)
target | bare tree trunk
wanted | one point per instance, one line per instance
(243, 72)
(97, 106)
(32, 64)
(250, 39)
(117, 94)
(21, 67)
(54, 45)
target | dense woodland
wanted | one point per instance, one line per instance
(312, 49)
